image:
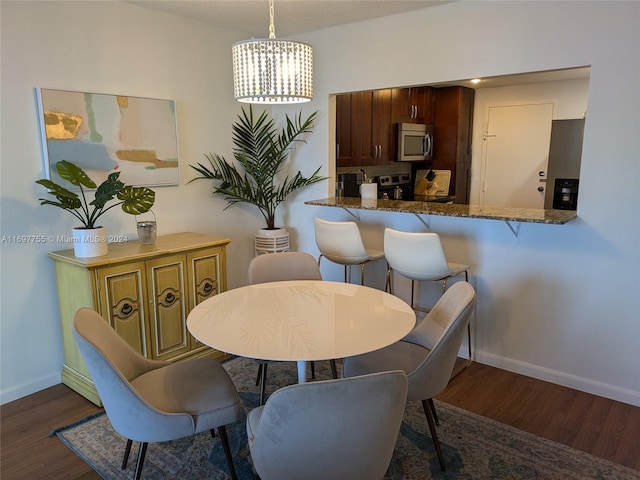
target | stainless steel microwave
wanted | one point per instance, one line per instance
(415, 142)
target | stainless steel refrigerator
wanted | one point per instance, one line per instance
(563, 173)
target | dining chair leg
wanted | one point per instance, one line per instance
(362, 265)
(434, 433)
(433, 410)
(227, 451)
(313, 370)
(127, 450)
(334, 369)
(141, 454)
(259, 376)
(263, 383)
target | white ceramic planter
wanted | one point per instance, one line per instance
(272, 241)
(90, 242)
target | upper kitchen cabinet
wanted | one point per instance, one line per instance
(344, 153)
(452, 129)
(412, 105)
(364, 133)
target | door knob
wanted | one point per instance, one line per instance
(541, 189)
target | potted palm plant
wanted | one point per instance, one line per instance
(261, 152)
(90, 240)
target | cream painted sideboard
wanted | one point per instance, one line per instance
(145, 292)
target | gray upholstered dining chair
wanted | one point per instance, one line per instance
(276, 267)
(427, 355)
(155, 401)
(343, 429)
(341, 243)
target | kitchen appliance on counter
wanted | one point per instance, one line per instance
(395, 186)
(415, 142)
(350, 184)
(565, 194)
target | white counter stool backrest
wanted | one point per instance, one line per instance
(341, 243)
(336, 429)
(420, 257)
(278, 267)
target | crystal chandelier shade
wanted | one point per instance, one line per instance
(272, 71)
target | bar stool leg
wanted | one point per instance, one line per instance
(387, 283)
(413, 282)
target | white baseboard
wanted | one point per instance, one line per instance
(15, 393)
(560, 378)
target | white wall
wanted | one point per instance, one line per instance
(557, 302)
(103, 47)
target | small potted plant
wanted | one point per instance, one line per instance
(90, 240)
(261, 152)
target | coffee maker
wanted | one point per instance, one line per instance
(350, 184)
(565, 194)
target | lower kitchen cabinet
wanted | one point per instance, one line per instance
(145, 293)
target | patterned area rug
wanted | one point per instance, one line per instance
(474, 447)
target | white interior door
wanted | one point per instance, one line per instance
(516, 154)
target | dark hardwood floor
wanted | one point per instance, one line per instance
(586, 422)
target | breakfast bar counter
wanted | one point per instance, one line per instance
(508, 214)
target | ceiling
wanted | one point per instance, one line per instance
(291, 17)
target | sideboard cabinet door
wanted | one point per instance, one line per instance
(167, 307)
(122, 290)
(205, 278)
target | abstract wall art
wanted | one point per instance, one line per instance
(107, 133)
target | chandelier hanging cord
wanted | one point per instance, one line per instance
(272, 28)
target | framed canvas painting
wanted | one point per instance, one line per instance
(110, 133)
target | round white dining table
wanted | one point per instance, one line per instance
(301, 321)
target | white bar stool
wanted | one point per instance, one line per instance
(341, 243)
(420, 257)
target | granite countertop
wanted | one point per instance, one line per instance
(528, 215)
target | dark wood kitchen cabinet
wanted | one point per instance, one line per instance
(364, 131)
(344, 149)
(412, 105)
(452, 132)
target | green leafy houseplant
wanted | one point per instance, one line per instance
(134, 200)
(261, 152)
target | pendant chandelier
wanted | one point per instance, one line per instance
(267, 70)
